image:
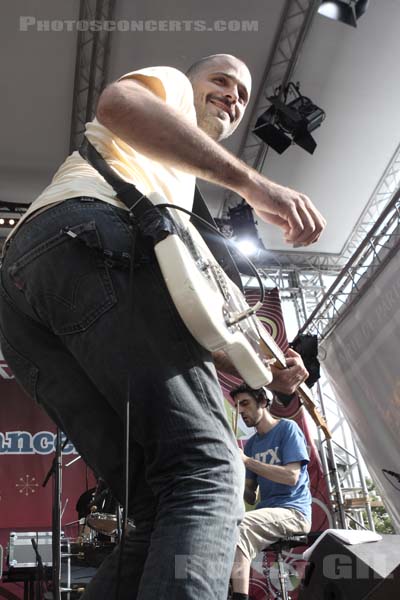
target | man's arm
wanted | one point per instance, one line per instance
(287, 474)
(250, 491)
(141, 119)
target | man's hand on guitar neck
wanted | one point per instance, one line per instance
(288, 380)
(285, 381)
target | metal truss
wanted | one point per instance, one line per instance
(91, 65)
(371, 256)
(304, 288)
(341, 463)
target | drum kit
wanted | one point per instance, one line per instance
(99, 531)
(97, 537)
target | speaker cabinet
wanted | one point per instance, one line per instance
(338, 571)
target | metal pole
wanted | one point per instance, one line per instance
(368, 510)
(56, 538)
(333, 470)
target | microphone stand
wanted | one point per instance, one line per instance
(56, 471)
(39, 570)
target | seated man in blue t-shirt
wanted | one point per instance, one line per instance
(276, 460)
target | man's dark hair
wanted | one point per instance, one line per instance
(260, 395)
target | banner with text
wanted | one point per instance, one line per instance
(362, 364)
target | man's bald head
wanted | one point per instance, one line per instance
(197, 66)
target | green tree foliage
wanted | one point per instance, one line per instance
(382, 521)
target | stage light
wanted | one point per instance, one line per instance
(6, 222)
(345, 11)
(248, 247)
(283, 124)
(244, 230)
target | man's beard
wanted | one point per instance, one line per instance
(252, 422)
(214, 127)
(218, 128)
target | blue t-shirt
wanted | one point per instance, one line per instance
(285, 443)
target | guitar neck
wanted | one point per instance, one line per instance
(271, 349)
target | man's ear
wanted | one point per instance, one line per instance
(264, 397)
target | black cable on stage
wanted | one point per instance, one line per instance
(134, 229)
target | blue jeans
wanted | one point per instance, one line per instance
(71, 335)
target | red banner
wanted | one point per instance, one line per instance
(264, 577)
(27, 442)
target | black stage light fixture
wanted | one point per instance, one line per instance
(283, 124)
(345, 11)
(244, 230)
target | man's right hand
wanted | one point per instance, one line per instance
(291, 211)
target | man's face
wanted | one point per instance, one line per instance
(221, 92)
(249, 410)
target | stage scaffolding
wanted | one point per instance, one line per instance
(319, 299)
(91, 66)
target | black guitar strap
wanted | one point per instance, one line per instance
(143, 209)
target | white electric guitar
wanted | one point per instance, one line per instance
(216, 313)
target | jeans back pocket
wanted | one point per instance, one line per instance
(65, 279)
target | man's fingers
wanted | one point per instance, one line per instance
(269, 217)
(291, 352)
(302, 226)
(311, 222)
(294, 213)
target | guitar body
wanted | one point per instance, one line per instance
(206, 298)
(216, 313)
